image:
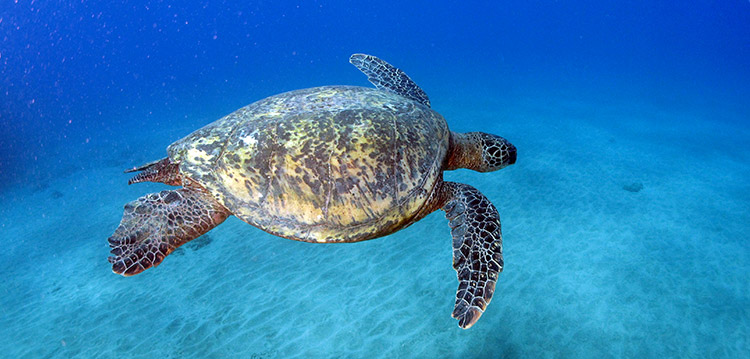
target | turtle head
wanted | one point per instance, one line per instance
(479, 151)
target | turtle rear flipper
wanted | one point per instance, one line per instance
(163, 170)
(477, 249)
(156, 224)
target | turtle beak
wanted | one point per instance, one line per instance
(511, 154)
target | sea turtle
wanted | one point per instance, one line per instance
(326, 164)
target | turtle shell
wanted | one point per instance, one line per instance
(326, 164)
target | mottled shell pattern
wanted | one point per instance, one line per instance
(325, 164)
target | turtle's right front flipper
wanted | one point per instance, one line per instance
(477, 249)
(156, 224)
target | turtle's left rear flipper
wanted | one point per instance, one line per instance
(163, 171)
(154, 225)
(477, 249)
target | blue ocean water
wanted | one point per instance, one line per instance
(625, 219)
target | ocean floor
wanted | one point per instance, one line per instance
(625, 235)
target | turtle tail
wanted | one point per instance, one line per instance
(163, 170)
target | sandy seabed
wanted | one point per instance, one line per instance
(625, 235)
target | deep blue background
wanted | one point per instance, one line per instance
(600, 97)
(76, 74)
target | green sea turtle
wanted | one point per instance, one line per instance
(325, 164)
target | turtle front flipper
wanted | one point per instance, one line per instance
(477, 249)
(386, 77)
(156, 224)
